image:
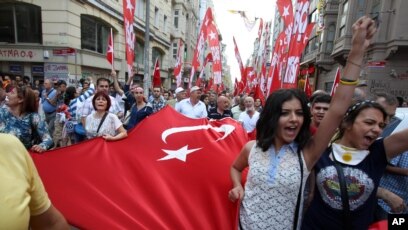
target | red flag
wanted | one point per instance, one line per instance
(156, 74)
(238, 57)
(179, 63)
(128, 17)
(286, 11)
(307, 88)
(336, 82)
(202, 37)
(236, 87)
(171, 172)
(214, 44)
(109, 52)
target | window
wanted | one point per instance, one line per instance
(176, 18)
(139, 52)
(164, 24)
(94, 34)
(156, 16)
(331, 30)
(156, 53)
(140, 9)
(361, 8)
(342, 31)
(175, 48)
(20, 23)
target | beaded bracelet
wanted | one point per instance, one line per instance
(353, 63)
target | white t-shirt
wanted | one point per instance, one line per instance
(249, 123)
(186, 108)
(109, 125)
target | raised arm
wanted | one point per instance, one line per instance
(116, 84)
(363, 31)
(396, 143)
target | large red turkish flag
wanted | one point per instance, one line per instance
(171, 172)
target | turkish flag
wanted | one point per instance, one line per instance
(171, 172)
(307, 89)
(156, 74)
(336, 82)
(179, 63)
(109, 52)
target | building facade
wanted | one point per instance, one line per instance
(67, 39)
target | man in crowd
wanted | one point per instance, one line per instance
(212, 100)
(318, 109)
(249, 118)
(393, 189)
(222, 110)
(49, 104)
(102, 84)
(192, 107)
(180, 95)
(157, 101)
(59, 123)
(238, 109)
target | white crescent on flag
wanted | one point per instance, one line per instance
(226, 129)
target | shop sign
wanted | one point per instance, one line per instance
(16, 68)
(63, 51)
(37, 69)
(18, 54)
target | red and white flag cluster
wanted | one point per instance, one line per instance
(284, 63)
(128, 15)
(208, 33)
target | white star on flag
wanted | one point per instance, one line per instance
(110, 49)
(180, 154)
(285, 11)
(212, 35)
(129, 5)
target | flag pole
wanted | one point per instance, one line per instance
(113, 50)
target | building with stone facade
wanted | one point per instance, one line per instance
(67, 39)
(385, 68)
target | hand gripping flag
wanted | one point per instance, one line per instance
(171, 172)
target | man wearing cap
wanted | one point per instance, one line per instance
(192, 107)
(180, 95)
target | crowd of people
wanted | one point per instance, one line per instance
(316, 163)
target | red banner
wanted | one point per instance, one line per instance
(128, 15)
(171, 172)
(214, 44)
(179, 64)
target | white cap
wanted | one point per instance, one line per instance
(179, 90)
(194, 88)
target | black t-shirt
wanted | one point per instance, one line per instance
(214, 114)
(325, 211)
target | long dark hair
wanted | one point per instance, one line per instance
(269, 118)
(352, 113)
